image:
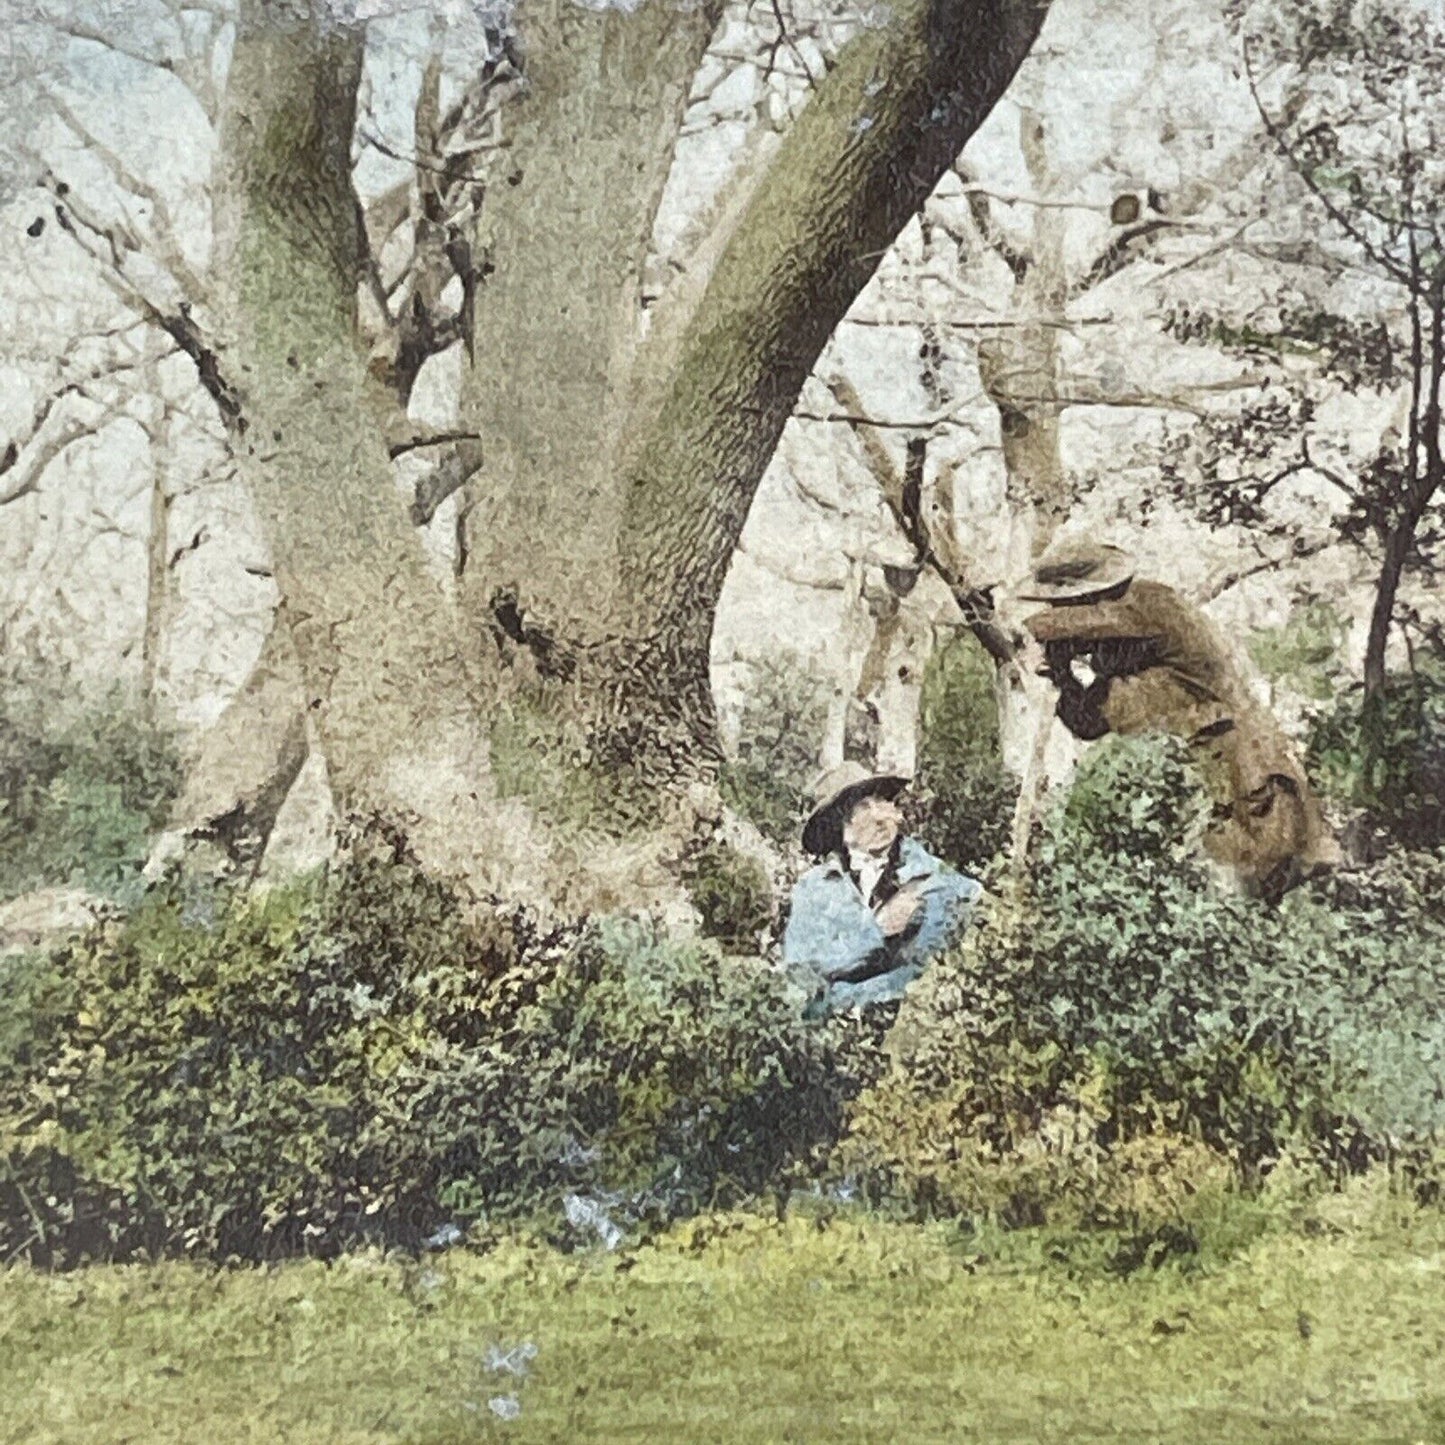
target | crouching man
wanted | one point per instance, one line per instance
(865, 920)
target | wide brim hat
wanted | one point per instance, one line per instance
(835, 794)
(1076, 570)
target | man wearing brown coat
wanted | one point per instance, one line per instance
(1153, 662)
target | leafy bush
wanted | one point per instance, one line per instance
(1385, 755)
(1130, 1009)
(354, 1058)
(1307, 653)
(964, 797)
(781, 728)
(733, 895)
(82, 787)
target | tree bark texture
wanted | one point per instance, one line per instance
(563, 237)
(864, 155)
(1019, 365)
(249, 760)
(373, 635)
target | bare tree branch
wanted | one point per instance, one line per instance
(80, 29)
(161, 244)
(1017, 260)
(1300, 551)
(1120, 252)
(1277, 134)
(902, 490)
(26, 468)
(108, 246)
(785, 38)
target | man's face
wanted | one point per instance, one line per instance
(872, 825)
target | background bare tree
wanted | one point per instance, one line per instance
(1348, 98)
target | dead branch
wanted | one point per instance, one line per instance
(1120, 252)
(1298, 552)
(903, 491)
(109, 246)
(25, 477)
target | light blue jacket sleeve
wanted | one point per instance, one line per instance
(831, 931)
(830, 928)
(948, 899)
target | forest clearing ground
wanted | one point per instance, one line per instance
(743, 1329)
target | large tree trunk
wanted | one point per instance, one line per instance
(564, 233)
(372, 633)
(684, 454)
(622, 479)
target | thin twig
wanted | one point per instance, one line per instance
(451, 173)
(429, 439)
(783, 38)
(163, 243)
(1277, 135)
(1297, 553)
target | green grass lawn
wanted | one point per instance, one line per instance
(745, 1330)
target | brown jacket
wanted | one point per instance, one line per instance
(1162, 666)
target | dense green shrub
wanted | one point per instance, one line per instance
(352, 1058)
(780, 731)
(733, 895)
(82, 786)
(1385, 755)
(964, 798)
(1131, 1009)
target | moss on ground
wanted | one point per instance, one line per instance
(740, 1329)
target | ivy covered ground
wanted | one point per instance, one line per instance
(735, 1328)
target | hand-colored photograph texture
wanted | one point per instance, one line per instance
(722, 721)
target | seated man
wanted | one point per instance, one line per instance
(865, 920)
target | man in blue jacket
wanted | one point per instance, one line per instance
(865, 920)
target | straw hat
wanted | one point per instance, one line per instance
(1077, 570)
(834, 795)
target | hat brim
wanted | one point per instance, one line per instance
(823, 832)
(1076, 589)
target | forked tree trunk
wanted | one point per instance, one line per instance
(616, 506)
(565, 233)
(684, 451)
